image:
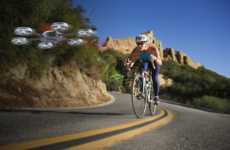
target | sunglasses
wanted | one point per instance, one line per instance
(141, 43)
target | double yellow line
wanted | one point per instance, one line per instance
(98, 138)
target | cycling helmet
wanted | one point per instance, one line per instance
(141, 38)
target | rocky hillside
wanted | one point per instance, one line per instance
(179, 57)
(125, 46)
(64, 86)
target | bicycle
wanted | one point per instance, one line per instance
(142, 92)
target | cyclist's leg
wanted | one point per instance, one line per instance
(156, 82)
(145, 67)
(155, 74)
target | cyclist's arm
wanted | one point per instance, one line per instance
(132, 58)
(134, 55)
(157, 57)
(158, 60)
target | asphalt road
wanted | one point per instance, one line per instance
(192, 129)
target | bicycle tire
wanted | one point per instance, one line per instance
(138, 105)
(153, 107)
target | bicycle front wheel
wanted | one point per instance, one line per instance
(139, 103)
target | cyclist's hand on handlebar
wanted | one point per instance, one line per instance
(128, 64)
(154, 57)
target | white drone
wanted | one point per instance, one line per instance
(50, 38)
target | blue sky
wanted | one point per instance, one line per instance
(200, 28)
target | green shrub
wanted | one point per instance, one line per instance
(190, 83)
(112, 71)
(89, 61)
(35, 60)
(214, 103)
(114, 80)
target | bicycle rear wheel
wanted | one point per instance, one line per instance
(139, 104)
(153, 108)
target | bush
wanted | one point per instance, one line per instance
(36, 61)
(114, 80)
(112, 73)
(190, 83)
(214, 103)
(87, 58)
(89, 61)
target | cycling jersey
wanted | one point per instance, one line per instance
(144, 56)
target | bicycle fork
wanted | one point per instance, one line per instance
(143, 84)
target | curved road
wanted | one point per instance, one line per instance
(192, 129)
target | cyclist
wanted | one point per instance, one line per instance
(146, 51)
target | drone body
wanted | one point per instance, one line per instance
(50, 38)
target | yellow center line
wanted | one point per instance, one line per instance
(100, 144)
(75, 136)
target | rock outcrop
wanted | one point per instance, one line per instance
(169, 54)
(179, 57)
(125, 46)
(62, 86)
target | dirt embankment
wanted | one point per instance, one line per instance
(64, 86)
